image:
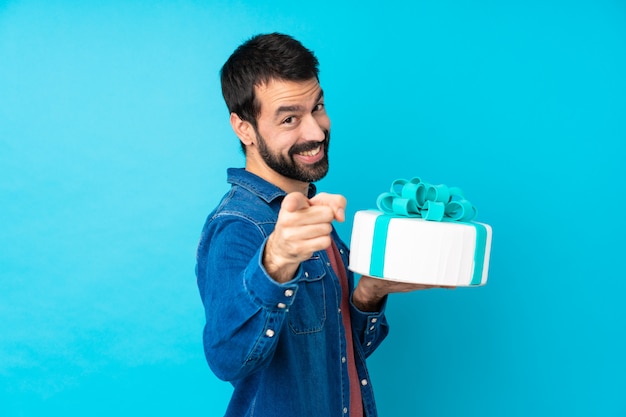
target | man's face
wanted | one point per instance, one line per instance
(293, 129)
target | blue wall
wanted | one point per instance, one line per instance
(114, 142)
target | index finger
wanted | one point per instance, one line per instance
(295, 201)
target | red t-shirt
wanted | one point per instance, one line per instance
(356, 403)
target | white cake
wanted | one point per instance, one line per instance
(419, 251)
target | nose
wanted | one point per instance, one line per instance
(314, 127)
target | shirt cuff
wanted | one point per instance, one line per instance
(264, 290)
(367, 319)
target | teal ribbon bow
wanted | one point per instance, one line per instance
(415, 198)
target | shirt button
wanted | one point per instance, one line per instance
(306, 274)
(270, 333)
(372, 328)
(341, 251)
(364, 382)
(343, 359)
(281, 305)
(345, 410)
(369, 343)
(374, 320)
(288, 293)
(339, 311)
(327, 263)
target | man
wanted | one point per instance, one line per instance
(284, 323)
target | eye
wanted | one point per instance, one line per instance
(289, 120)
(318, 107)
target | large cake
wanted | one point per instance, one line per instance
(422, 234)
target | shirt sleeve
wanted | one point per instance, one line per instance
(369, 328)
(244, 307)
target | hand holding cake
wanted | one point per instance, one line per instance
(370, 291)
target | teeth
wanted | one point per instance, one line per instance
(312, 152)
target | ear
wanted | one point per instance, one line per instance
(244, 130)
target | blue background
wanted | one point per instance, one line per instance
(114, 142)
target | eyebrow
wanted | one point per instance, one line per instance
(290, 109)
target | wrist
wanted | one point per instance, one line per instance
(365, 298)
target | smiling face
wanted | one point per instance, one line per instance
(293, 165)
(289, 146)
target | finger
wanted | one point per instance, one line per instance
(316, 244)
(305, 216)
(303, 249)
(336, 202)
(306, 232)
(295, 201)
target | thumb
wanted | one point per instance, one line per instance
(295, 201)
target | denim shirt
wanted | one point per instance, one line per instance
(281, 345)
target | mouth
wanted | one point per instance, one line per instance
(311, 152)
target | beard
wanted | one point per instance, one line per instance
(288, 167)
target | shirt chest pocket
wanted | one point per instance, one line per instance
(307, 314)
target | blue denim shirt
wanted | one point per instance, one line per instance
(282, 346)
